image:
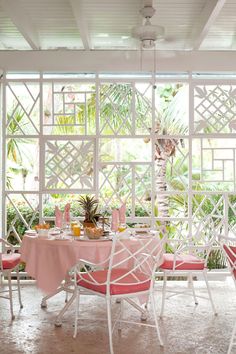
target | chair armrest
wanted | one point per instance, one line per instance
(8, 244)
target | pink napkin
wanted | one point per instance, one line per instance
(122, 211)
(59, 217)
(67, 213)
(114, 220)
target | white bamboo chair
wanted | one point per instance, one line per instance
(228, 246)
(128, 273)
(9, 262)
(186, 260)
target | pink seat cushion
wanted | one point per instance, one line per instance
(183, 262)
(100, 276)
(10, 260)
(231, 253)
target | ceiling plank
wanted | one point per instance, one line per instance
(147, 3)
(77, 6)
(21, 20)
(207, 17)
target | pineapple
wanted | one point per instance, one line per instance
(89, 206)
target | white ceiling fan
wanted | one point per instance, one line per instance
(147, 33)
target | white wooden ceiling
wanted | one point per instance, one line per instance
(106, 24)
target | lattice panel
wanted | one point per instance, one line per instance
(69, 109)
(22, 108)
(121, 183)
(22, 212)
(171, 164)
(143, 108)
(69, 164)
(142, 184)
(116, 109)
(22, 164)
(115, 185)
(215, 159)
(208, 215)
(215, 109)
(232, 215)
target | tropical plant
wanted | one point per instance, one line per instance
(16, 121)
(169, 122)
(19, 161)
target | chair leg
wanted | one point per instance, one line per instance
(121, 314)
(10, 295)
(108, 301)
(155, 319)
(18, 287)
(163, 294)
(77, 299)
(232, 340)
(209, 291)
(192, 287)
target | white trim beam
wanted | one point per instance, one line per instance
(207, 17)
(233, 43)
(116, 61)
(77, 7)
(21, 20)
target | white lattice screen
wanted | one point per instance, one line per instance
(166, 150)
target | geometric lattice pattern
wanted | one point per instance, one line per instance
(118, 177)
(23, 112)
(231, 215)
(21, 218)
(115, 109)
(208, 215)
(69, 164)
(67, 109)
(216, 161)
(125, 142)
(142, 117)
(125, 109)
(215, 109)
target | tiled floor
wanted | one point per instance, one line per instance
(186, 328)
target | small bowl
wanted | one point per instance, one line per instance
(93, 233)
(42, 232)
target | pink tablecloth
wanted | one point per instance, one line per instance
(48, 261)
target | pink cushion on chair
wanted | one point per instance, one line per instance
(183, 262)
(10, 260)
(100, 276)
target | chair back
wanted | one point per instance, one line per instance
(132, 261)
(228, 246)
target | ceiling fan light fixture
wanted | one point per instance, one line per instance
(148, 43)
(148, 33)
(147, 11)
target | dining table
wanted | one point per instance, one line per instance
(50, 259)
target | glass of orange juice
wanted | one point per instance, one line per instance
(76, 230)
(122, 227)
(72, 224)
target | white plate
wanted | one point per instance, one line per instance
(54, 232)
(31, 233)
(102, 239)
